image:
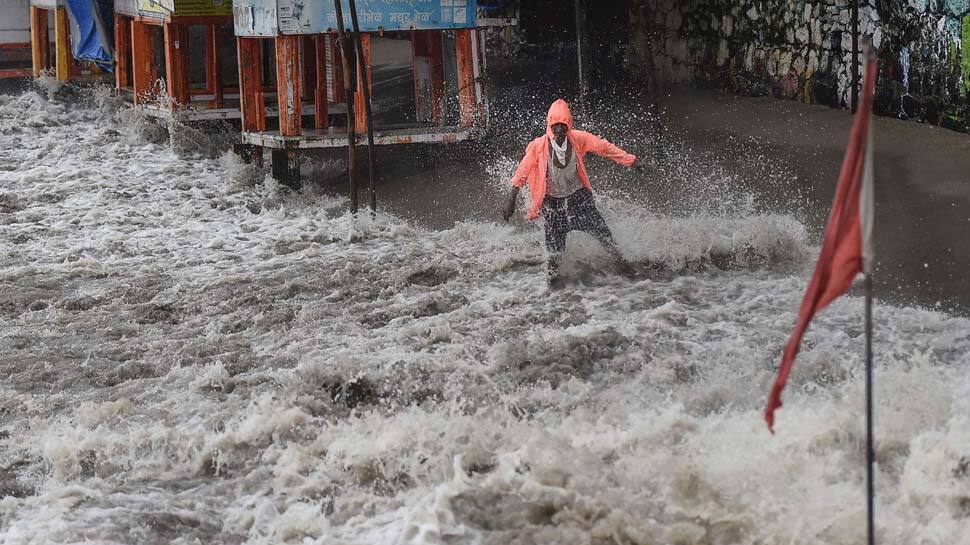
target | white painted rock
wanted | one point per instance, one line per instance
(799, 65)
(722, 52)
(812, 65)
(784, 63)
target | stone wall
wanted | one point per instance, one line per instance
(801, 49)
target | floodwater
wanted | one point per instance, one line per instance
(192, 355)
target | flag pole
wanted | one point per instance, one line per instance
(870, 450)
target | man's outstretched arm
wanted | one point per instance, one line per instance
(603, 148)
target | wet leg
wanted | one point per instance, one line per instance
(589, 220)
(557, 227)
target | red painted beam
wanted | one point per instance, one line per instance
(39, 40)
(466, 77)
(249, 55)
(360, 112)
(288, 87)
(177, 64)
(122, 52)
(321, 106)
(142, 60)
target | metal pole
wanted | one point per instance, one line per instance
(345, 50)
(855, 55)
(362, 70)
(646, 18)
(581, 52)
(870, 450)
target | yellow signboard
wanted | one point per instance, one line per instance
(155, 8)
(188, 8)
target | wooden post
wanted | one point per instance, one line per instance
(365, 80)
(122, 52)
(359, 101)
(249, 54)
(213, 66)
(347, 52)
(142, 60)
(582, 54)
(288, 84)
(176, 64)
(40, 49)
(466, 77)
(62, 45)
(285, 163)
(321, 107)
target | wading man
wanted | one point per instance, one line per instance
(554, 169)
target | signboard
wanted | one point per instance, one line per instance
(188, 8)
(254, 18)
(159, 9)
(315, 16)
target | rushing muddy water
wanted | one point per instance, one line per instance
(191, 355)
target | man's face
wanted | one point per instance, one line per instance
(559, 130)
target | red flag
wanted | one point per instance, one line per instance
(846, 248)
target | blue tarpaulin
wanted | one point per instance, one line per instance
(90, 36)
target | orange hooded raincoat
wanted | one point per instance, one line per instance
(534, 166)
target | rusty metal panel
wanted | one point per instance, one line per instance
(255, 18)
(316, 16)
(126, 7)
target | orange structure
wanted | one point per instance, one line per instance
(44, 13)
(425, 67)
(177, 56)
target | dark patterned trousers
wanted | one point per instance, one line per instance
(576, 212)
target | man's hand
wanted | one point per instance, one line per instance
(509, 207)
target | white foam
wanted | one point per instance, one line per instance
(195, 355)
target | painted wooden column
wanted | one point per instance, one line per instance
(122, 52)
(320, 104)
(142, 60)
(40, 47)
(213, 65)
(288, 84)
(177, 64)
(289, 72)
(62, 45)
(249, 55)
(360, 109)
(466, 77)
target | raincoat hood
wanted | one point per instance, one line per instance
(558, 113)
